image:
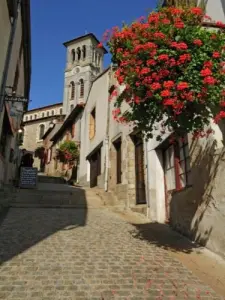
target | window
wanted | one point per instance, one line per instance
(72, 93)
(73, 55)
(41, 131)
(117, 145)
(61, 111)
(26, 118)
(78, 53)
(92, 125)
(84, 51)
(47, 113)
(71, 107)
(31, 117)
(73, 131)
(81, 88)
(53, 112)
(177, 165)
(43, 115)
(35, 116)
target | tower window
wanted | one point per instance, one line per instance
(84, 51)
(47, 113)
(60, 111)
(53, 112)
(35, 116)
(41, 131)
(73, 55)
(31, 117)
(78, 53)
(26, 118)
(81, 88)
(43, 115)
(72, 93)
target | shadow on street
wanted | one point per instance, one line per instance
(23, 227)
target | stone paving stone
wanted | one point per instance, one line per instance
(72, 254)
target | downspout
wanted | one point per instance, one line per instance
(8, 56)
(107, 138)
(147, 177)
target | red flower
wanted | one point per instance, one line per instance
(216, 54)
(209, 80)
(159, 35)
(213, 36)
(145, 71)
(222, 103)
(165, 21)
(179, 25)
(163, 57)
(220, 24)
(156, 86)
(223, 93)
(197, 42)
(151, 62)
(208, 64)
(176, 11)
(179, 46)
(172, 62)
(165, 93)
(197, 11)
(184, 57)
(219, 116)
(182, 86)
(168, 84)
(206, 72)
(100, 45)
(168, 102)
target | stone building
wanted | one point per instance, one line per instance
(15, 76)
(36, 123)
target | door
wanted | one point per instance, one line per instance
(95, 168)
(94, 171)
(139, 171)
(117, 145)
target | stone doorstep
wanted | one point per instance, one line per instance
(141, 209)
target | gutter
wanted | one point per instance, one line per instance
(107, 138)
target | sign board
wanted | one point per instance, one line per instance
(16, 99)
(28, 178)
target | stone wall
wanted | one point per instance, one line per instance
(199, 211)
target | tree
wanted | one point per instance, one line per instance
(172, 70)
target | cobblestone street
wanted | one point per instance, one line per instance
(86, 254)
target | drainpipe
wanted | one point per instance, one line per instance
(107, 139)
(147, 177)
(8, 56)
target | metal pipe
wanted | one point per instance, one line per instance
(8, 56)
(107, 139)
(147, 177)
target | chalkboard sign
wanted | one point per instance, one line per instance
(28, 178)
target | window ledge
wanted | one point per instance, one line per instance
(183, 189)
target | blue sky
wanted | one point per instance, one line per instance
(57, 21)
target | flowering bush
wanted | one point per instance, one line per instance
(68, 151)
(172, 69)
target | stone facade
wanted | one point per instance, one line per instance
(37, 122)
(16, 82)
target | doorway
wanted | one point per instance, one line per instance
(95, 167)
(139, 170)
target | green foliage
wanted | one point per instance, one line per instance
(68, 151)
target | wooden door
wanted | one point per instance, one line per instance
(93, 171)
(139, 172)
(118, 162)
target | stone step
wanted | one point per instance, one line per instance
(50, 179)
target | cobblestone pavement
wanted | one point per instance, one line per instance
(77, 254)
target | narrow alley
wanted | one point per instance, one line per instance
(72, 247)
